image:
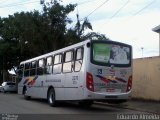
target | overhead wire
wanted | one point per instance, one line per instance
(18, 3)
(2, 2)
(133, 14)
(11, 3)
(97, 8)
(119, 10)
(81, 3)
(93, 10)
(139, 11)
(144, 8)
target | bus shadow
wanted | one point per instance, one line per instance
(95, 108)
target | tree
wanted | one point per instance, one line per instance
(80, 27)
(94, 36)
(78, 34)
(26, 35)
(56, 19)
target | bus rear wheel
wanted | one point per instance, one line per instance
(51, 98)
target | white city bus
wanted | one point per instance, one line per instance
(85, 72)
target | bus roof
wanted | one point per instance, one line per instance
(56, 51)
(66, 49)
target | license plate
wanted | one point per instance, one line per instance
(111, 90)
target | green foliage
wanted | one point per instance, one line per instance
(94, 36)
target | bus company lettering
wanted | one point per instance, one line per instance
(54, 80)
(100, 84)
(108, 86)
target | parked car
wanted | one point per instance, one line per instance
(8, 87)
(0, 88)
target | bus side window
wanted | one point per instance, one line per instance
(27, 69)
(57, 64)
(67, 64)
(20, 72)
(40, 67)
(33, 68)
(49, 65)
(78, 59)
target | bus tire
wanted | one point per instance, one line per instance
(24, 94)
(51, 97)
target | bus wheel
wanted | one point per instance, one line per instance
(24, 93)
(86, 103)
(51, 97)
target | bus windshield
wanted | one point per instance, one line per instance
(111, 54)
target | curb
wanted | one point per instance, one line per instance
(127, 106)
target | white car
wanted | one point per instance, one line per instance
(8, 87)
(0, 88)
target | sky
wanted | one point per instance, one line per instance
(127, 21)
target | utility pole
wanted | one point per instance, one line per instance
(142, 51)
(157, 30)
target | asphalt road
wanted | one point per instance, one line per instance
(13, 104)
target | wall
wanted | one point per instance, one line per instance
(146, 78)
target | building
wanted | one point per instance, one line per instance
(157, 30)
